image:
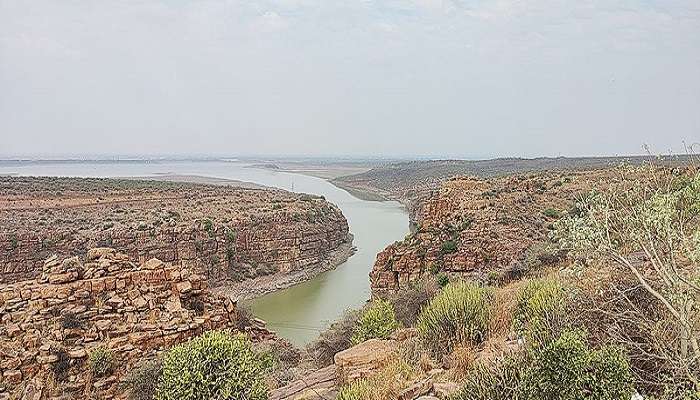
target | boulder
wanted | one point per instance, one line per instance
(364, 359)
(99, 252)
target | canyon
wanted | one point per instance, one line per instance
(228, 234)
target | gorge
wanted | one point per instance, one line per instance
(296, 313)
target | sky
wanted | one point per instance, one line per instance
(391, 78)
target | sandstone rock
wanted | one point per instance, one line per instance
(131, 325)
(97, 253)
(417, 389)
(184, 287)
(364, 359)
(12, 376)
(31, 392)
(319, 383)
(152, 264)
(78, 353)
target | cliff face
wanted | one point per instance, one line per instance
(227, 234)
(52, 324)
(475, 227)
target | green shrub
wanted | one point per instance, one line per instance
(209, 226)
(539, 310)
(62, 365)
(358, 390)
(142, 382)
(566, 369)
(551, 213)
(458, 314)
(442, 279)
(101, 361)
(498, 381)
(434, 268)
(70, 320)
(449, 247)
(377, 321)
(215, 365)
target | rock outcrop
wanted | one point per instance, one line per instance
(51, 325)
(364, 361)
(474, 227)
(227, 234)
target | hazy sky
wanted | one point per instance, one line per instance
(450, 78)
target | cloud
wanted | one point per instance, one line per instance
(389, 77)
(269, 22)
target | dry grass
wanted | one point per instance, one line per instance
(503, 307)
(460, 362)
(387, 384)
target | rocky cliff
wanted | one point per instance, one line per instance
(480, 228)
(51, 326)
(227, 234)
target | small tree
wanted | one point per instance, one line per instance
(648, 223)
(215, 365)
(378, 321)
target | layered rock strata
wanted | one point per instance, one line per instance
(227, 234)
(52, 325)
(474, 227)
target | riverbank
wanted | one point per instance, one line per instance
(253, 288)
(297, 312)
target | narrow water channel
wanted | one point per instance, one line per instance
(298, 313)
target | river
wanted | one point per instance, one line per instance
(300, 312)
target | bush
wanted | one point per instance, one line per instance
(282, 357)
(62, 365)
(244, 317)
(442, 280)
(566, 369)
(334, 339)
(101, 361)
(460, 314)
(142, 382)
(540, 255)
(498, 381)
(215, 365)
(357, 390)
(70, 321)
(408, 302)
(539, 310)
(449, 247)
(551, 213)
(377, 321)
(387, 384)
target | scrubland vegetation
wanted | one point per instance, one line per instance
(605, 310)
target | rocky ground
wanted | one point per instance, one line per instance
(482, 229)
(53, 326)
(411, 182)
(229, 234)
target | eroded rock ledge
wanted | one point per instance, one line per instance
(480, 228)
(226, 234)
(50, 325)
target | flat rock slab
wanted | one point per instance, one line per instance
(364, 359)
(317, 385)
